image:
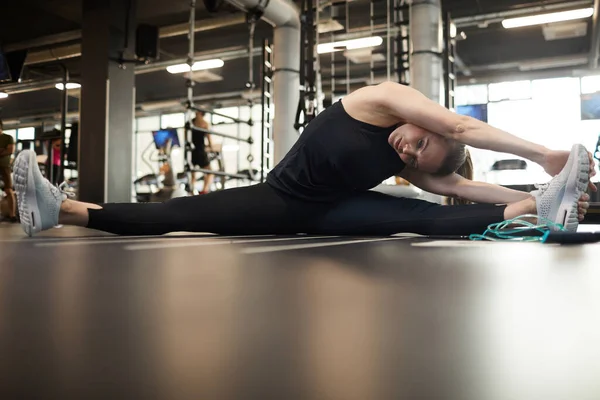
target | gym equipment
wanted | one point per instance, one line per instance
(163, 185)
(266, 128)
(307, 104)
(164, 137)
(252, 18)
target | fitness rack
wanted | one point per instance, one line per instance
(389, 19)
(252, 17)
(64, 104)
(402, 41)
(449, 62)
(307, 103)
(266, 136)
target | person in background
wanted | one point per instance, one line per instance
(7, 148)
(56, 160)
(202, 145)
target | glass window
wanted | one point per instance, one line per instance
(172, 120)
(146, 124)
(230, 111)
(555, 89)
(590, 84)
(471, 94)
(26, 133)
(518, 90)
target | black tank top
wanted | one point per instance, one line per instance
(335, 156)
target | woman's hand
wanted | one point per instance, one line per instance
(555, 160)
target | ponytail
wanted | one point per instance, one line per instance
(466, 171)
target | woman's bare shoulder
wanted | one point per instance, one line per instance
(365, 105)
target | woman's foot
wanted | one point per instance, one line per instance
(558, 200)
(38, 200)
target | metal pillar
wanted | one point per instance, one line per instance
(426, 59)
(286, 81)
(426, 56)
(107, 101)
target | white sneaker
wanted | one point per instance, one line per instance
(558, 199)
(38, 200)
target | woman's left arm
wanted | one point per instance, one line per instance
(455, 185)
(411, 105)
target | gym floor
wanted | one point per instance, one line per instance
(86, 315)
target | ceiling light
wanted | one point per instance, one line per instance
(70, 85)
(3, 95)
(548, 18)
(199, 65)
(349, 44)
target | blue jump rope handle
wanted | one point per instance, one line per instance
(571, 237)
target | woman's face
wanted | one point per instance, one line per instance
(419, 148)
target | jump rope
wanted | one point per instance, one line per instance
(545, 231)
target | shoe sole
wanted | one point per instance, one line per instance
(576, 185)
(26, 194)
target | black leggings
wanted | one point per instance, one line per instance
(261, 209)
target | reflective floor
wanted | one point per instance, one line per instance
(271, 317)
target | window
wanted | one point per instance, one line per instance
(518, 90)
(172, 120)
(147, 124)
(230, 111)
(555, 89)
(26, 133)
(590, 84)
(471, 94)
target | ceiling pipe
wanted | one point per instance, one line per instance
(53, 54)
(229, 53)
(593, 56)
(201, 25)
(44, 41)
(29, 86)
(285, 18)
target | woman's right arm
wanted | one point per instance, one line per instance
(455, 185)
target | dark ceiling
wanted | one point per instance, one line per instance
(489, 50)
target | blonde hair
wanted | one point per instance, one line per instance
(466, 171)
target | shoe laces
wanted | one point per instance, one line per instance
(64, 189)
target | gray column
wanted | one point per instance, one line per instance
(286, 92)
(426, 56)
(427, 45)
(107, 101)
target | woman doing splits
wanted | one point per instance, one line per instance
(322, 185)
